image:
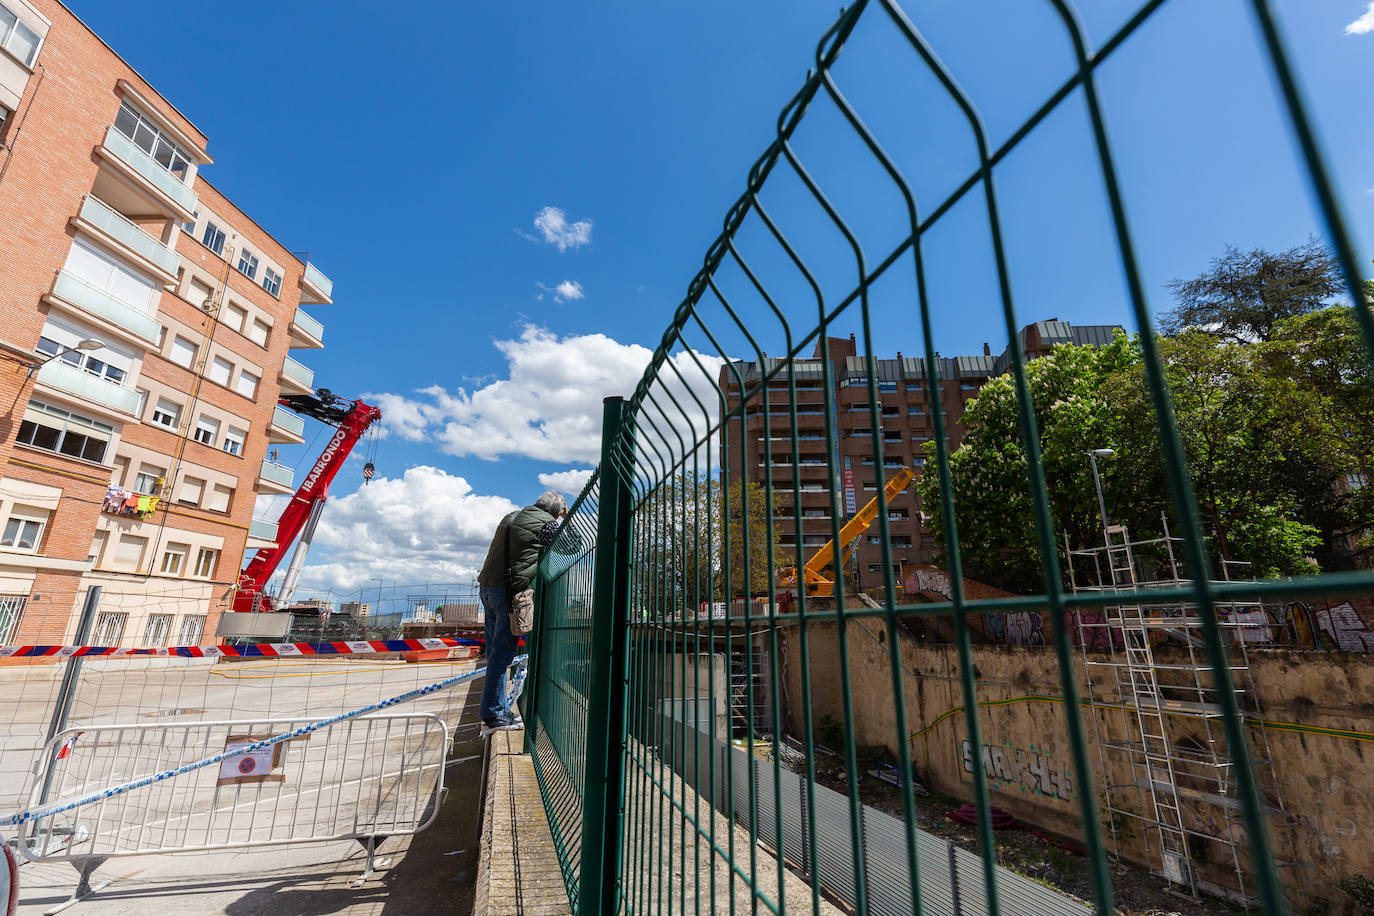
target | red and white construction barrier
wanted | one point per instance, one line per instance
(253, 650)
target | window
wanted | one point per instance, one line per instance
(167, 413)
(207, 431)
(97, 548)
(206, 561)
(56, 430)
(11, 609)
(189, 227)
(192, 627)
(248, 264)
(159, 627)
(247, 385)
(147, 480)
(220, 370)
(17, 38)
(219, 498)
(271, 281)
(24, 529)
(129, 552)
(109, 628)
(1356, 481)
(887, 386)
(190, 490)
(81, 359)
(259, 331)
(233, 441)
(154, 141)
(183, 352)
(174, 560)
(853, 382)
(234, 317)
(108, 274)
(213, 238)
(200, 294)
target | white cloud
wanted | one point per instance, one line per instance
(425, 526)
(567, 291)
(1363, 25)
(570, 481)
(553, 224)
(548, 406)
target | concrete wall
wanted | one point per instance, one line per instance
(1324, 781)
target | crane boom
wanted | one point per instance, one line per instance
(352, 419)
(816, 583)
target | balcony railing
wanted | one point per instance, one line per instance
(285, 419)
(71, 288)
(262, 529)
(298, 373)
(309, 325)
(319, 281)
(83, 384)
(279, 474)
(114, 224)
(151, 169)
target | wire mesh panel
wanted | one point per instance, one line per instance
(804, 520)
(561, 666)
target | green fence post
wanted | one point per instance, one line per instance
(601, 829)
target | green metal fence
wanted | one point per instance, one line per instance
(656, 709)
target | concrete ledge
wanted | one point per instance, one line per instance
(517, 871)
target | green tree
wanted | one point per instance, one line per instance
(683, 530)
(1244, 294)
(1238, 423)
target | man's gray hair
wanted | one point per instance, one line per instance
(552, 502)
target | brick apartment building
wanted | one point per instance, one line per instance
(906, 429)
(146, 327)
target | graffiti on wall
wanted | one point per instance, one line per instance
(1028, 769)
(1345, 628)
(927, 579)
(1016, 628)
(1090, 628)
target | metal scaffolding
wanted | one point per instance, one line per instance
(1166, 769)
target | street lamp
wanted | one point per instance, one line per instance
(1093, 455)
(90, 343)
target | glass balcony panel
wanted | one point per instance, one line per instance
(159, 175)
(278, 473)
(73, 289)
(112, 223)
(309, 325)
(285, 419)
(83, 384)
(294, 370)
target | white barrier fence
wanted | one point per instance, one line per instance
(376, 775)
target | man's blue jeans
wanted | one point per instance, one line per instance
(501, 648)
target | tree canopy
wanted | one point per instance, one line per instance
(1243, 295)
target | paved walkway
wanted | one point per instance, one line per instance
(519, 871)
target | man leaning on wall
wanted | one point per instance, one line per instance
(512, 561)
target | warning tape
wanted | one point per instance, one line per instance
(23, 817)
(252, 650)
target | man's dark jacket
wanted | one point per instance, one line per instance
(531, 530)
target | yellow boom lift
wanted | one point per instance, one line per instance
(817, 585)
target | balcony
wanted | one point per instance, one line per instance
(70, 380)
(295, 378)
(316, 288)
(306, 332)
(110, 226)
(149, 175)
(74, 294)
(276, 478)
(261, 533)
(285, 427)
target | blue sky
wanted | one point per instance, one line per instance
(512, 198)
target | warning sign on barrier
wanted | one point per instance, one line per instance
(259, 765)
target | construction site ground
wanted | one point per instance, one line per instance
(432, 872)
(1136, 891)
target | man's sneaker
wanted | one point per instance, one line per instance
(497, 726)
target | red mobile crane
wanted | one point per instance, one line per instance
(302, 514)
